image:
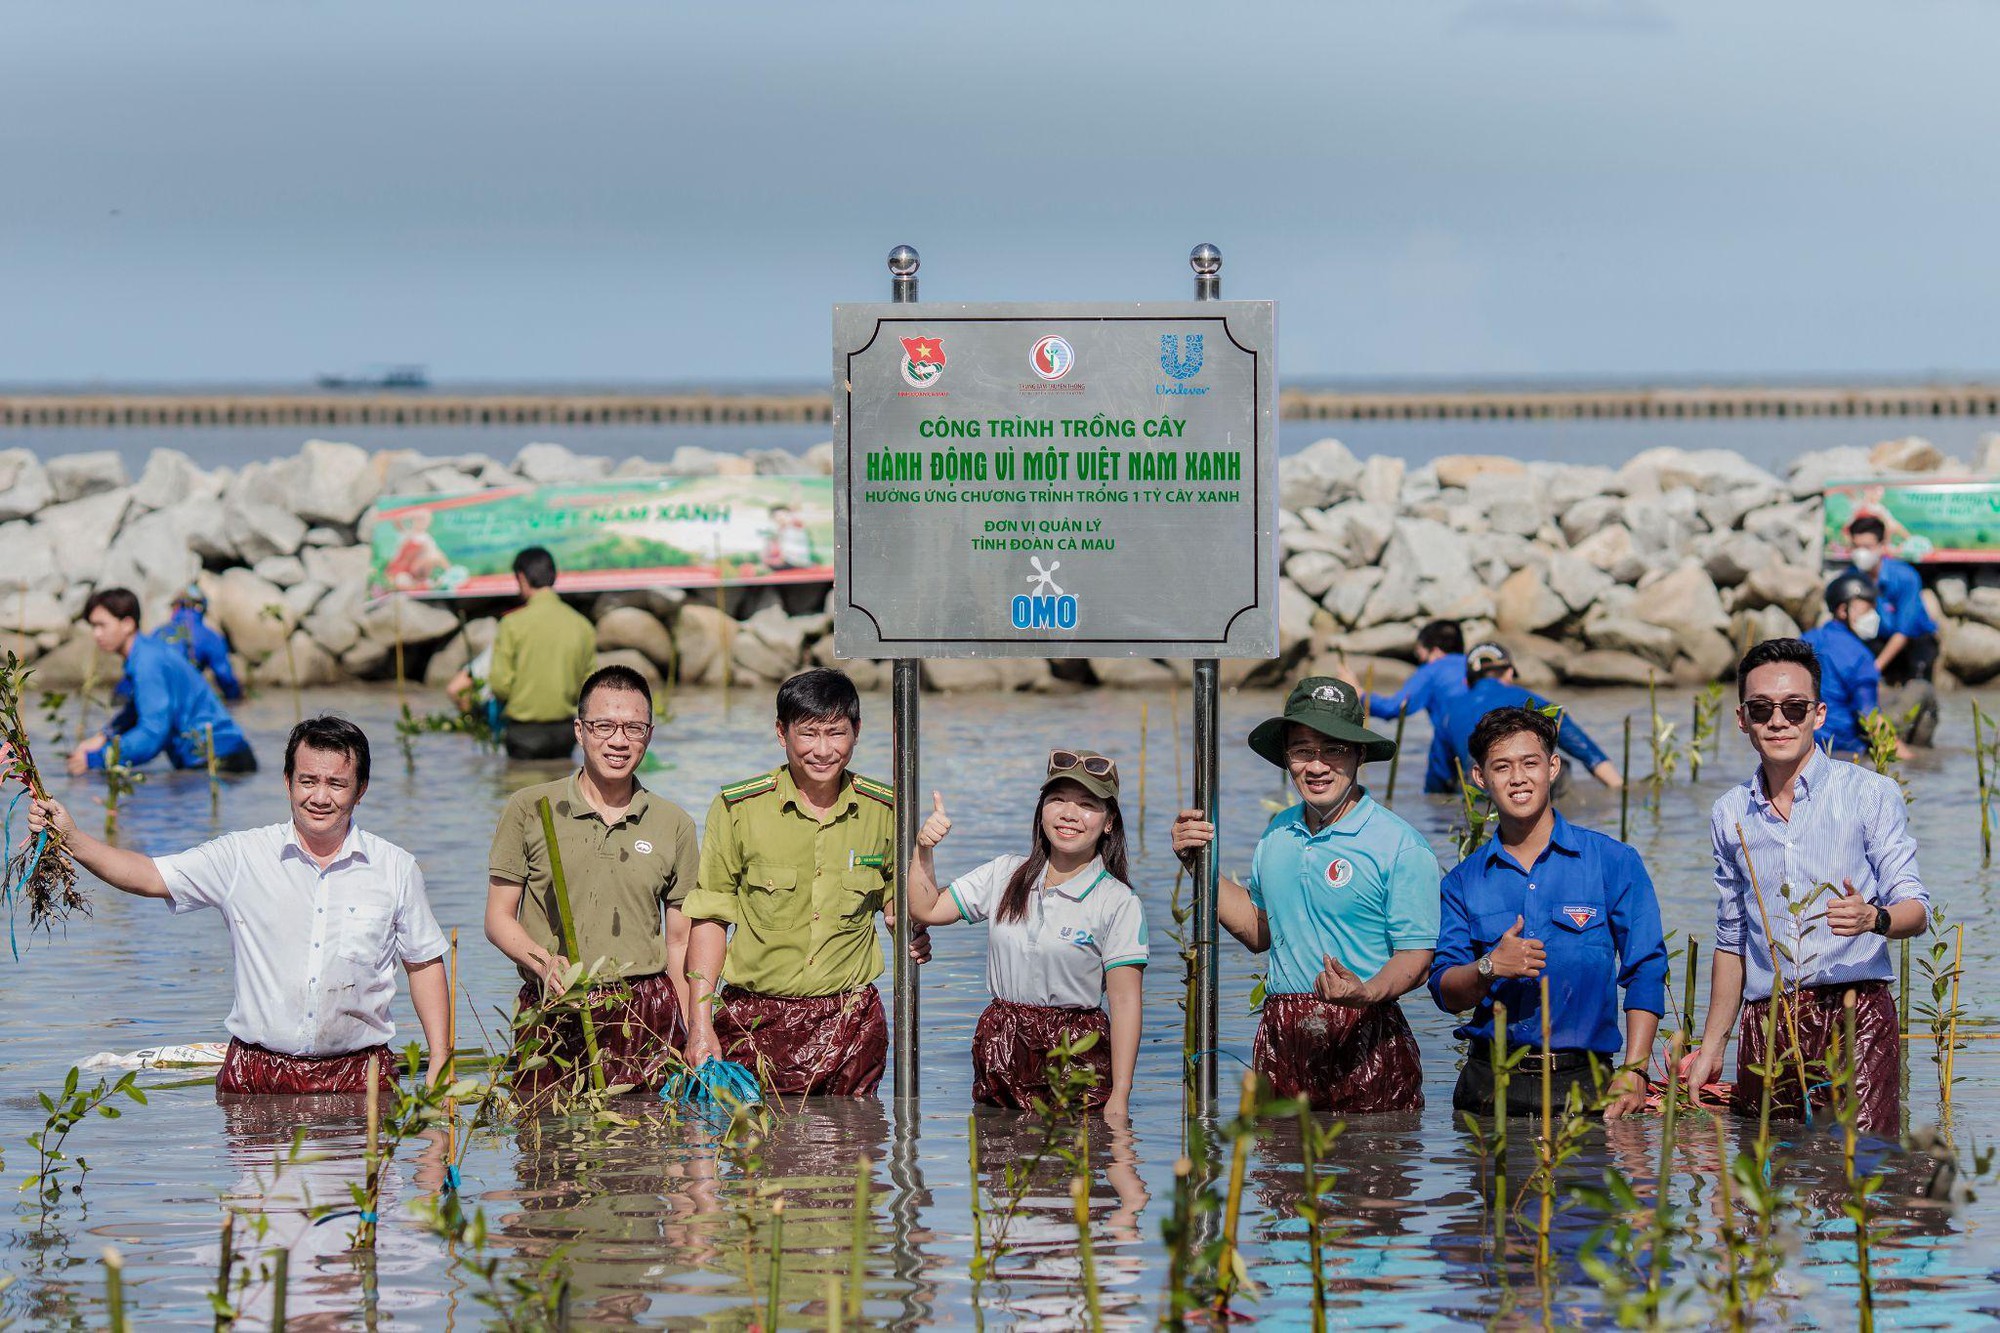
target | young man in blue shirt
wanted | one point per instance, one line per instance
(1489, 677)
(203, 647)
(1848, 677)
(1548, 897)
(1438, 680)
(1906, 644)
(168, 705)
(1343, 895)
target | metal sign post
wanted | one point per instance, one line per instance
(905, 687)
(1206, 261)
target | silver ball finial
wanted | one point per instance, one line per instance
(1205, 260)
(903, 261)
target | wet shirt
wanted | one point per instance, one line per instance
(1464, 712)
(1899, 596)
(1590, 902)
(542, 654)
(621, 877)
(316, 950)
(1848, 823)
(203, 647)
(803, 891)
(169, 707)
(1073, 934)
(1359, 890)
(1848, 682)
(1430, 691)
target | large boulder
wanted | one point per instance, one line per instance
(333, 483)
(691, 460)
(1623, 634)
(1431, 550)
(172, 478)
(1399, 640)
(307, 665)
(1987, 461)
(1606, 666)
(1684, 601)
(1350, 593)
(257, 529)
(81, 531)
(24, 485)
(549, 464)
(73, 476)
(637, 661)
(1394, 598)
(338, 566)
(1131, 673)
(1459, 469)
(1314, 572)
(1911, 453)
(1710, 471)
(26, 611)
(1704, 657)
(1612, 550)
(1589, 515)
(31, 559)
(629, 627)
(153, 557)
(960, 675)
(1297, 616)
(1983, 605)
(1511, 502)
(417, 622)
(1318, 475)
(700, 632)
(1795, 590)
(1972, 652)
(1524, 604)
(1381, 481)
(251, 611)
(1579, 583)
(1356, 530)
(1811, 473)
(1736, 557)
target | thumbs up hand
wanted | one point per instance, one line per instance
(1514, 956)
(936, 826)
(1848, 913)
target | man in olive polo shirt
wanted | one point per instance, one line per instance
(629, 858)
(800, 861)
(541, 654)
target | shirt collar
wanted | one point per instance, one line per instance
(581, 808)
(1347, 826)
(1078, 886)
(1562, 838)
(350, 846)
(788, 793)
(1818, 768)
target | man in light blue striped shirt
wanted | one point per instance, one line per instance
(1816, 853)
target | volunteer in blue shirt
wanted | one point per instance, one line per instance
(1848, 676)
(168, 705)
(1439, 680)
(1489, 679)
(1906, 646)
(1343, 896)
(203, 647)
(1546, 897)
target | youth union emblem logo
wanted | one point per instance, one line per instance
(1339, 871)
(1171, 360)
(923, 361)
(1045, 605)
(1052, 357)
(1580, 915)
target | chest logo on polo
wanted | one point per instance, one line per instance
(1339, 871)
(1079, 936)
(1580, 915)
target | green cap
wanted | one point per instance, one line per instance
(1329, 706)
(1067, 765)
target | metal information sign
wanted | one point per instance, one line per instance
(1055, 480)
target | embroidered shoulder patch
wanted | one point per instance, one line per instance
(874, 790)
(742, 791)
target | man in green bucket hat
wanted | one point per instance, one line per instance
(1343, 896)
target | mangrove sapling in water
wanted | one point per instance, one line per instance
(1885, 749)
(120, 781)
(1315, 1145)
(1627, 1255)
(1940, 1012)
(1079, 1194)
(1666, 750)
(1705, 727)
(1847, 1113)
(1232, 1275)
(65, 1111)
(1479, 812)
(41, 869)
(1061, 1117)
(1492, 1147)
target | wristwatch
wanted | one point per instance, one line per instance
(1881, 926)
(1485, 966)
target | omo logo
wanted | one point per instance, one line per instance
(1171, 360)
(1047, 606)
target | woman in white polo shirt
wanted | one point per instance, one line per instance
(1066, 933)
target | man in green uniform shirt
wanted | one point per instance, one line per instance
(541, 654)
(800, 861)
(629, 858)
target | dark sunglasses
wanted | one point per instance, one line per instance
(1795, 710)
(1062, 761)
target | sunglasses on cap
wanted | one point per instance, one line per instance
(1795, 710)
(1064, 761)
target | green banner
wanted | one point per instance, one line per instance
(688, 532)
(1939, 522)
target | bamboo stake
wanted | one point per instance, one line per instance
(566, 919)
(1777, 996)
(1847, 1146)
(1625, 788)
(978, 1209)
(1687, 997)
(1232, 1206)
(1951, 1038)
(280, 1279)
(1732, 1276)
(364, 1236)
(1985, 795)
(1499, 1133)
(214, 771)
(227, 1263)
(1656, 1267)
(1174, 1318)
(833, 1310)
(1079, 1197)
(858, 1249)
(451, 1015)
(114, 1289)
(775, 1278)
(1402, 716)
(1309, 1166)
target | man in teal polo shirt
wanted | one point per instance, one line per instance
(1343, 896)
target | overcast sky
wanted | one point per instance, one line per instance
(265, 189)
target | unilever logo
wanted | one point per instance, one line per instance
(1181, 368)
(1046, 605)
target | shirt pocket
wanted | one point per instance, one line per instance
(1488, 927)
(364, 935)
(770, 900)
(1582, 921)
(860, 894)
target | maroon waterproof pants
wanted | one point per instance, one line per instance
(639, 1033)
(1342, 1058)
(258, 1070)
(1877, 1039)
(834, 1045)
(1010, 1052)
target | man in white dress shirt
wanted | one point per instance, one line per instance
(319, 914)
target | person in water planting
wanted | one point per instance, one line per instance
(1344, 897)
(1065, 933)
(168, 705)
(1437, 682)
(1905, 644)
(629, 859)
(800, 861)
(542, 653)
(1548, 899)
(1849, 680)
(1806, 829)
(204, 648)
(320, 915)
(1490, 684)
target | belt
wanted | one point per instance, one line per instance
(1558, 1062)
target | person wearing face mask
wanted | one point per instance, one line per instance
(1906, 643)
(320, 916)
(1066, 933)
(1802, 820)
(1848, 677)
(1546, 897)
(1343, 896)
(800, 862)
(629, 859)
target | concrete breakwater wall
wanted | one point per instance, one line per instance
(1592, 575)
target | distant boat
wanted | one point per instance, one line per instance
(385, 377)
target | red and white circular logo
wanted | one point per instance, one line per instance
(1339, 871)
(1051, 357)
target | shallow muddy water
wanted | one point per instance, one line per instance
(647, 1222)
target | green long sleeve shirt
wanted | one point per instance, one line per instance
(541, 657)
